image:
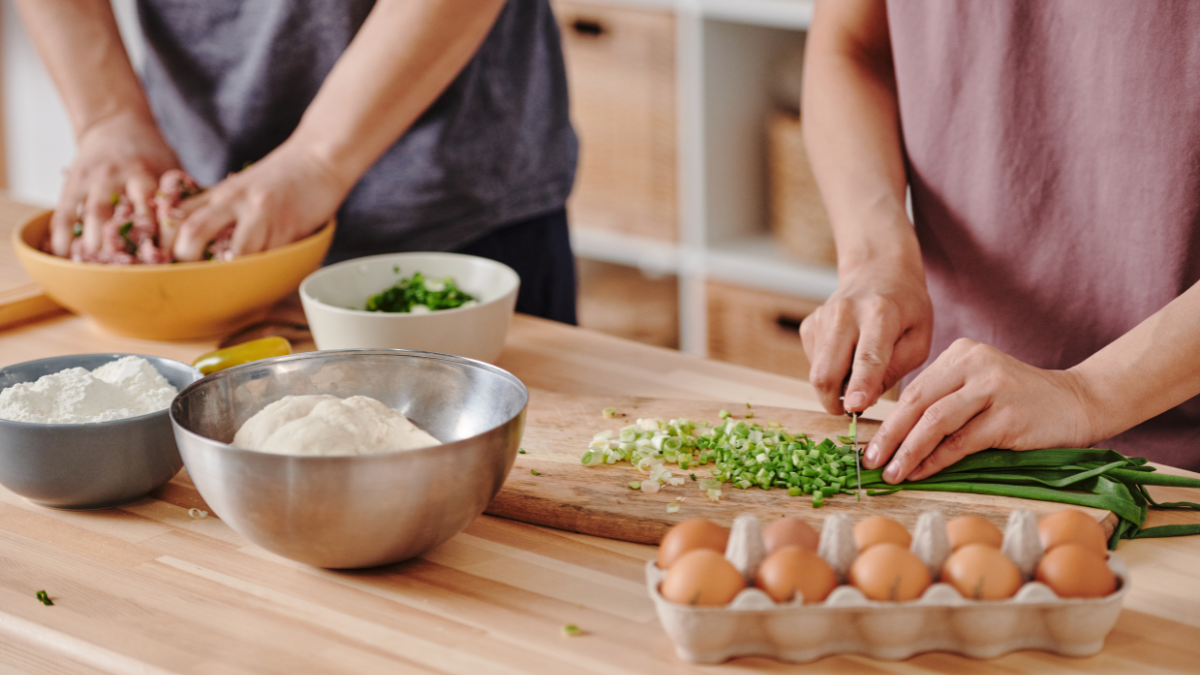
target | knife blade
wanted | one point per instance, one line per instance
(857, 456)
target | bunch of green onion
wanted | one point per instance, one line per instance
(748, 455)
(1101, 479)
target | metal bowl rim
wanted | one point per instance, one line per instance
(93, 425)
(436, 356)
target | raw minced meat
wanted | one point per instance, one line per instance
(129, 238)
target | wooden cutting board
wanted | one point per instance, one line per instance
(597, 500)
(20, 298)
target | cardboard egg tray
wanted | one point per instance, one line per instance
(848, 623)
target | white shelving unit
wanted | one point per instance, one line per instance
(724, 52)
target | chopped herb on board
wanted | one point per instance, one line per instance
(44, 598)
(571, 630)
(535, 472)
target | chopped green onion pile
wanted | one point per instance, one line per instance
(746, 455)
(740, 452)
(416, 292)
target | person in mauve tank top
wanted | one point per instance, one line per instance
(1044, 293)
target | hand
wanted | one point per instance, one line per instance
(282, 198)
(880, 320)
(973, 398)
(121, 153)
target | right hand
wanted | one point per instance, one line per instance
(120, 153)
(877, 326)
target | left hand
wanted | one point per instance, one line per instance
(282, 198)
(972, 398)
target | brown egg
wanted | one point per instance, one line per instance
(965, 530)
(1075, 571)
(981, 572)
(890, 573)
(880, 530)
(690, 535)
(792, 569)
(1071, 526)
(702, 577)
(790, 532)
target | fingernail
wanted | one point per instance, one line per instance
(855, 400)
(892, 473)
(871, 456)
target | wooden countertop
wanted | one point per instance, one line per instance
(144, 588)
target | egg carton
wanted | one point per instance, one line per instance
(848, 623)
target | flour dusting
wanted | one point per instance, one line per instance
(124, 388)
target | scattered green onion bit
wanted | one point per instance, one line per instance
(521, 451)
(673, 507)
(724, 414)
(635, 485)
(750, 414)
(571, 630)
(535, 472)
(609, 413)
(747, 405)
(45, 599)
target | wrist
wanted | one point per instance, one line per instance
(337, 179)
(1100, 416)
(337, 164)
(126, 121)
(889, 242)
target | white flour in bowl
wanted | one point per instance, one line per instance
(127, 387)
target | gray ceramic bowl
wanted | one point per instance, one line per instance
(361, 510)
(89, 466)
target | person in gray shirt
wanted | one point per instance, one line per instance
(421, 124)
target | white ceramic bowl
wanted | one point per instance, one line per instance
(476, 332)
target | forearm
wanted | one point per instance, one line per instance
(1147, 371)
(80, 44)
(852, 132)
(404, 56)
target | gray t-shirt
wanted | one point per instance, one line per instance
(228, 81)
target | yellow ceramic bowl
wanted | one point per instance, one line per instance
(170, 302)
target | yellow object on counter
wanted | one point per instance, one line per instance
(254, 350)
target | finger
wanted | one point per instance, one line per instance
(935, 383)
(140, 189)
(909, 352)
(168, 223)
(940, 420)
(975, 436)
(250, 236)
(836, 335)
(96, 211)
(200, 228)
(66, 215)
(872, 358)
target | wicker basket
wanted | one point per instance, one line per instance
(757, 328)
(621, 68)
(798, 216)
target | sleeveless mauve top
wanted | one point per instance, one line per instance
(1053, 150)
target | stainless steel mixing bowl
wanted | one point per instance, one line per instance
(361, 510)
(89, 466)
